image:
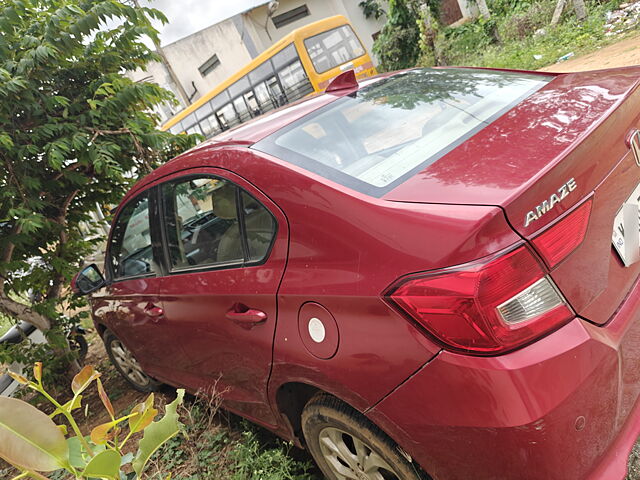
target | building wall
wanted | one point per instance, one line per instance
(188, 54)
(254, 20)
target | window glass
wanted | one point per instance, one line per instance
(239, 87)
(131, 253)
(204, 111)
(285, 57)
(241, 108)
(202, 225)
(210, 126)
(261, 72)
(295, 82)
(260, 227)
(391, 129)
(227, 116)
(177, 128)
(329, 49)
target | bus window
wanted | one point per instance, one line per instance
(241, 109)
(329, 49)
(275, 89)
(176, 129)
(254, 108)
(227, 116)
(264, 99)
(261, 72)
(294, 81)
(285, 56)
(239, 87)
(210, 126)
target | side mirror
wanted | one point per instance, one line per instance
(88, 280)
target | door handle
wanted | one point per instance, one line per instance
(154, 312)
(245, 316)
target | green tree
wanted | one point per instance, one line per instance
(398, 45)
(74, 133)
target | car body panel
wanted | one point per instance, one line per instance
(220, 354)
(565, 403)
(572, 395)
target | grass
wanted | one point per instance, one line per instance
(216, 445)
(509, 39)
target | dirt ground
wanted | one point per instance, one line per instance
(621, 54)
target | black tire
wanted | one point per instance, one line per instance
(139, 380)
(326, 421)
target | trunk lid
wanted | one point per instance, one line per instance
(563, 144)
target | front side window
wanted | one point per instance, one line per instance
(205, 221)
(329, 49)
(377, 137)
(130, 250)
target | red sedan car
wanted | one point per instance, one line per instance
(432, 274)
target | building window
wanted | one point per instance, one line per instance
(291, 16)
(209, 66)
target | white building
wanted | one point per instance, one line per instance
(204, 59)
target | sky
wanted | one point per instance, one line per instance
(188, 16)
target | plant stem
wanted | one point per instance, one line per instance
(22, 475)
(70, 419)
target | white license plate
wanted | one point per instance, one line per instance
(626, 229)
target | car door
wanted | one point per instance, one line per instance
(130, 300)
(225, 247)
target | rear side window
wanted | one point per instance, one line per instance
(130, 250)
(384, 133)
(210, 222)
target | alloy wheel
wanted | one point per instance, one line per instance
(128, 364)
(351, 458)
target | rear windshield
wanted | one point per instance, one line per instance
(374, 139)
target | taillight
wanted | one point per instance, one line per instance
(559, 240)
(485, 307)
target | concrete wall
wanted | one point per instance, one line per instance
(188, 54)
(254, 20)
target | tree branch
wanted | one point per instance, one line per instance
(23, 312)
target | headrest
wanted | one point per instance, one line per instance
(224, 202)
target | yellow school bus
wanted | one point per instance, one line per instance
(301, 63)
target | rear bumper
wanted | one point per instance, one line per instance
(565, 407)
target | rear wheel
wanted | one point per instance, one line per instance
(126, 364)
(346, 445)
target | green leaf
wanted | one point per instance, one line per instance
(29, 438)
(104, 465)
(158, 433)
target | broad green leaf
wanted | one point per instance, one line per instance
(78, 457)
(84, 378)
(146, 414)
(104, 465)
(29, 438)
(158, 433)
